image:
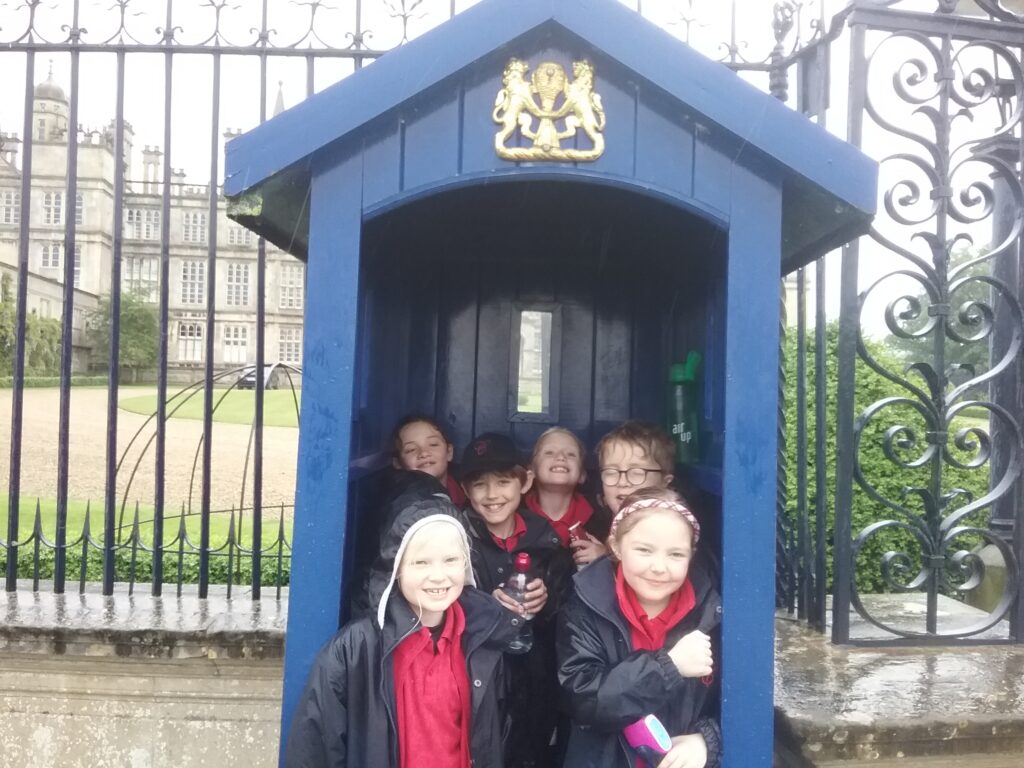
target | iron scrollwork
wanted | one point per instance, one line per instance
(961, 104)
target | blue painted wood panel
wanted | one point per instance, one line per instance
(458, 306)
(748, 483)
(575, 286)
(713, 378)
(391, 383)
(497, 289)
(451, 132)
(382, 161)
(650, 355)
(664, 153)
(477, 129)
(421, 384)
(714, 174)
(431, 144)
(619, 98)
(327, 387)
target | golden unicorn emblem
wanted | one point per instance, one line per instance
(516, 107)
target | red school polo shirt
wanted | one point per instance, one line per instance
(579, 511)
(432, 696)
(510, 543)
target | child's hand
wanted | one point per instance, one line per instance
(536, 599)
(692, 655)
(536, 596)
(586, 551)
(688, 751)
(507, 602)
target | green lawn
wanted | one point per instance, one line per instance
(232, 407)
(219, 522)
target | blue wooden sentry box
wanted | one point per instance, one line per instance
(422, 243)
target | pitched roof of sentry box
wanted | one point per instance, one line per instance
(275, 155)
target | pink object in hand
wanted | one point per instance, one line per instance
(648, 738)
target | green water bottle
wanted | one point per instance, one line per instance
(682, 408)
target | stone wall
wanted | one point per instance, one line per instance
(196, 693)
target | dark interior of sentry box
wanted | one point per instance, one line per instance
(636, 284)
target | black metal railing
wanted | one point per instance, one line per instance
(925, 365)
(137, 560)
(134, 548)
(860, 518)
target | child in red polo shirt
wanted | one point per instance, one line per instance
(418, 442)
(500, 525)
(558, 474)
(421, 681)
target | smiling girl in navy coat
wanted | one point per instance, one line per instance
(635, 639)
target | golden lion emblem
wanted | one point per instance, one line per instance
(516, 107)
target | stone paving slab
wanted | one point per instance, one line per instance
(1011, 760)
(130, 625)
(837, 703)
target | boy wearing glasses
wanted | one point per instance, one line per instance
(632, 456)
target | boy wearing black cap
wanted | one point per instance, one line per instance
(496, 479)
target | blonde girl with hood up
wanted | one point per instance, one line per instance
(419, 681)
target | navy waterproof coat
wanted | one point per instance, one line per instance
(608, 686)
(347, 714)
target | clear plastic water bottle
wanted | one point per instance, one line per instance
(575, 534)
(515, 588)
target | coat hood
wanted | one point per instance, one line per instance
(405, 486)
(405, 522)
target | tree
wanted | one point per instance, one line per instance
(139, 331)
(6, 325)
(42, 346)
(42, 337)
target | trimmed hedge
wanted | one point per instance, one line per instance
(242, 569)
(35, 382)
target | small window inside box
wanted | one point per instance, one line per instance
(535, 352)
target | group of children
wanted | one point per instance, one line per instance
(623, 617)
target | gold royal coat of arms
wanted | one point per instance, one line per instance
(537, 105)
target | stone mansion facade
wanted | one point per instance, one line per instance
(93, 212)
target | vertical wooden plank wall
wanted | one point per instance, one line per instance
(748, 485)
(327, 386)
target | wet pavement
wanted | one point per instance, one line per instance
(143, 625)
(869, 703)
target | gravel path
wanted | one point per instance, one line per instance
(87, 452)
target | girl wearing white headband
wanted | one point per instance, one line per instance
(636, 639)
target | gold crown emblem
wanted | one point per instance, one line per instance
(571, 102)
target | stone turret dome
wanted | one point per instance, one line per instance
(50, 90)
